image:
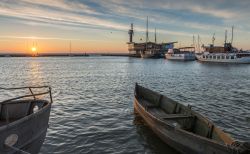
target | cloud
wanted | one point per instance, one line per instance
(182, 18)
(37, 38)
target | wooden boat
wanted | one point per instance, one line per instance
(182, 128)
(24, 121)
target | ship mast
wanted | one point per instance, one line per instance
(70, 48)
(225, 36)
(232, 35)
(213, 39)
(155, 36)
(131, 33)
(198, 43)
(147, 35)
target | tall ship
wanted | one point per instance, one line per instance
(183, 54)
(147, 49)
(224, 54)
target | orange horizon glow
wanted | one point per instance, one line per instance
(61, 46)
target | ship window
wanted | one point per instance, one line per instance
(232, 57)
(210, 57)
(214, 57)
(206, 57)
(218, 57)
(227, 57)
(203, 56)
(222, 57)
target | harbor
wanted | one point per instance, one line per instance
(210, 53)
(124, 77)
(88, 118)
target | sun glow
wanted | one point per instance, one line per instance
(33, 49)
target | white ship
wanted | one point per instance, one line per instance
(184, 54)
(223, 54)
(237, 57)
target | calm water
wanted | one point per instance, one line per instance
(93, 98)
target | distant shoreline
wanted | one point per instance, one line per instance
(62, 54)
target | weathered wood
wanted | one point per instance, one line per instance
(177, 116)
(24, 122)
(180, 127)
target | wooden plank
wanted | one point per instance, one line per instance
(177, 116)
(147, 104)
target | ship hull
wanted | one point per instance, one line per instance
(235, 60)
(150, 55)
(181, 57)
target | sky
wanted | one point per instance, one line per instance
(102, 25)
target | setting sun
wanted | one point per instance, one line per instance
(33, 49)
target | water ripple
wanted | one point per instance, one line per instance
(93, 98)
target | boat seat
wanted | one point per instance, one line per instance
(163, 115)
(177, 116)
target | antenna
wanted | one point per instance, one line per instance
(225, 36)
(232, 35)
(213, 39)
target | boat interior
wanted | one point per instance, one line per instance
(178, 115)
(16, 109)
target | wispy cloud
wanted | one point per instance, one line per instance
(37, 38)
(171, 17)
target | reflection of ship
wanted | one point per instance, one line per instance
(223, 54)
(147, 49)
(185, 54)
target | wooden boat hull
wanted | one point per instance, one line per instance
(182, 140)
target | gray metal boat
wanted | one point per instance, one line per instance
(182, 128)
(24, 120)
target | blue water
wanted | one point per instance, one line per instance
(93, 98)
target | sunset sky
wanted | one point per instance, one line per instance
(102, 25)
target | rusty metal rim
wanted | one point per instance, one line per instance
(31, 95)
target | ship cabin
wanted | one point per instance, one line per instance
(136, 48)
(219, 56)
(184, 50)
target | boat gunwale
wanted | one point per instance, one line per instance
(223, 143)
(184, 132)
(27, 117)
